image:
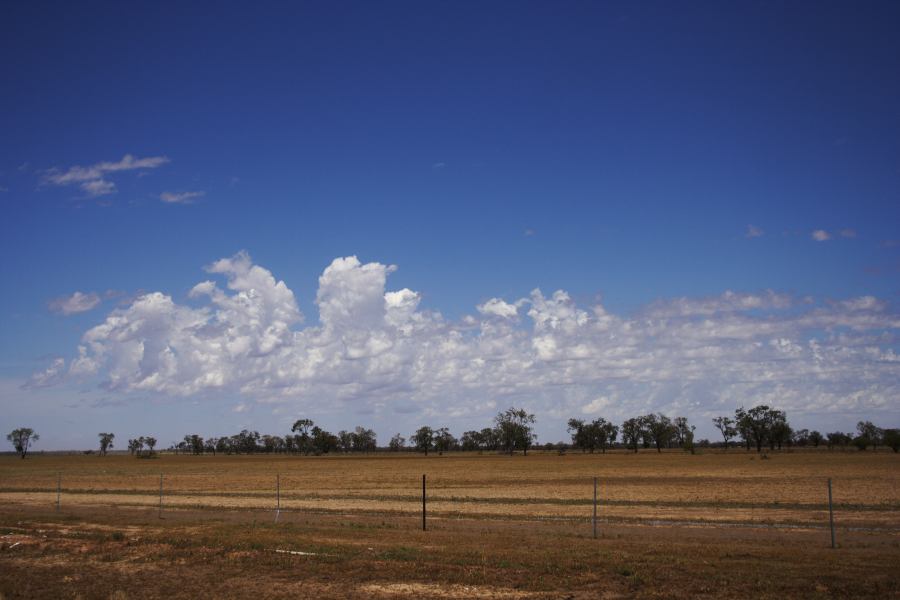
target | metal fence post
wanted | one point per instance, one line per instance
(830, 513)
(423, 503)
(160, 495)
(277, 496)
(594, 519)
(58, 489)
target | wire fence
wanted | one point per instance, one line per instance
(596, 501)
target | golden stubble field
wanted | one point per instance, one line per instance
(670, 524)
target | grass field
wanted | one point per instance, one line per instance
(716, 524)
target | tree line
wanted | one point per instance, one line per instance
(512, 431)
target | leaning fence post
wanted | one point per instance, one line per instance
(830, 513)
(58, 489)
(160, 494)
(594, 519)
(423, 502)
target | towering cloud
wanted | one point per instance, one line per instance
(377, 347)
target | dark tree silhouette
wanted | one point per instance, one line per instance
(22, 438)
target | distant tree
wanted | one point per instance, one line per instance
(272, 444)
(490, 439)
(684, 434)
(471, 440)
(397, 443)
(323, 441)
(837, 438)
(364, 440)
(22, 438)
(740, 425)
(193, 443)
(211, 445)
(605, 433)
(423, 439)
(891, 439)
(860, 442)
(762, 425)
(106, 442)
(815, 438)
(599, 433)
(303, 439)
(151, 443)
(632, 432)
(868, 433)
(800, 437)
(780, 431)
(660, 428)
(514, 429)
(444, 440)
(576, 428)
(726, 427)
(345, 440)
(247, 442)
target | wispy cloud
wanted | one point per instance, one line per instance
(820, 235)
(76, 303)
(754, 232)
(848, 233)
(48, 377)
(180, 197)
(92, 179)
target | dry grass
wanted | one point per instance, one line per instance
(494, 528)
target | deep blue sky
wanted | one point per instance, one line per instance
(615, 150)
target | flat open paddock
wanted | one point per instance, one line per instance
(715, 524)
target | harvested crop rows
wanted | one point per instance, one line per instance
(716, 524)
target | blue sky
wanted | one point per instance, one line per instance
(640, 157)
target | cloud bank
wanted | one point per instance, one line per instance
(377, 348)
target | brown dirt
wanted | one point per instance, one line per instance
(353, 530)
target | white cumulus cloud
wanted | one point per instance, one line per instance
(820, 235)
(499, 308)
(377, 347)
